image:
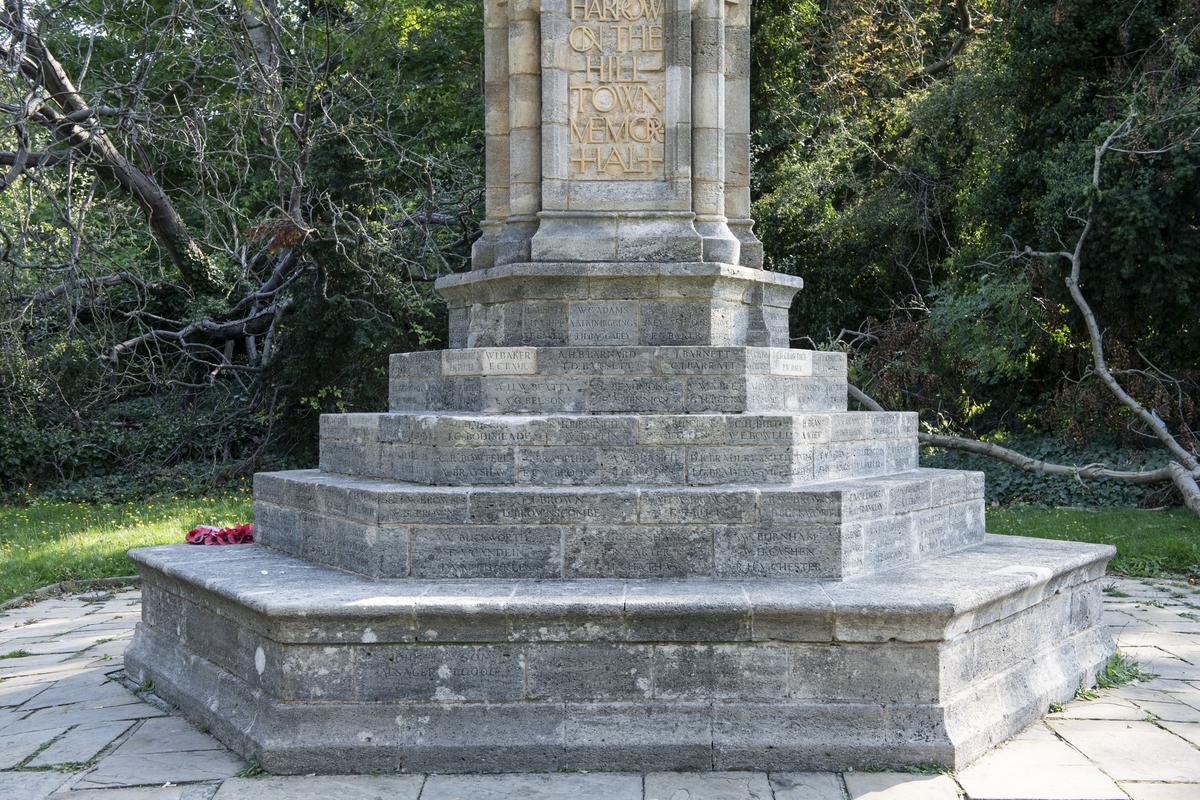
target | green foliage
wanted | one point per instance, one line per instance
(904, 199)
(323, 168)
(252, 770)
(1121, 671)
(1149, 543)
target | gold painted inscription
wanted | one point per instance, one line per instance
(616, 90)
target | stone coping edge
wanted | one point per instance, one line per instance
(932, 600)
(618, 269)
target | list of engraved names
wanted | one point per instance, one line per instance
(616, 87)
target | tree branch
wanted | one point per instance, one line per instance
(964, 32)
(102, 281)
(259, 322)
(41, 68)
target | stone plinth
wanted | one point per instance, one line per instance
(600, 304)
(618, 524)
(307, 668)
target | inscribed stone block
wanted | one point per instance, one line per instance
(446, 673)
(593, 671)
(486, 551)
(703, 360)
(406, 504)
(603, 322)
(644, 465)
(902, 455)
(682, 506)
(805, 508)
(464, 465)
(554, 507)
(791, 362)
(591, 431)
(731, 464)
(775, 551)
(887, 542)
(664, 429)
(716, 394)
(813, 428)
(533, 394)
(466, 431)
(832, 461)
(635, 394)
(759, 430)
(550, 466)
(599, 361)
(637, 552)
(720, 672)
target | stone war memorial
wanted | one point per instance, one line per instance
(618, 524)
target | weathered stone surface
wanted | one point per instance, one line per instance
(711, 786)
(619, 524)
(820, 531)
(633, 675)
(322, 787)
(533, 787)
(557, 304)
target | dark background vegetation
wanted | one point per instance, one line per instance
(903, 161)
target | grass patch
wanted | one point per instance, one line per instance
(15, 654)
(46, 543)
(1149, 543)
(252, 770)
(1120, 671)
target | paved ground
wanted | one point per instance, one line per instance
(69, 731)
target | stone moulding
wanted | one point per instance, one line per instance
(640, 303)
(935, 662)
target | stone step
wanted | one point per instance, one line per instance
(289, 662)
(835, 530)
(614, 380)
(582, 450)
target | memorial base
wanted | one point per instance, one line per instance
(306, 668)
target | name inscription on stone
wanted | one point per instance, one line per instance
(616, 90)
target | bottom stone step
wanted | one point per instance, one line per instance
(305, 668)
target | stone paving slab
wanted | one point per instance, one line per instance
(1132, 751)
(1161, 791)
(707, 786)
(81, 744)
(899, 786)
(190, 791)
(1076, 753)
(806, 786)
(1037, 765)
(533, 787)
(30, 785)
(1189, 731)
(1102, 708)
(323, 787)
(17, 747)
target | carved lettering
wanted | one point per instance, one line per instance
(616, 90)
